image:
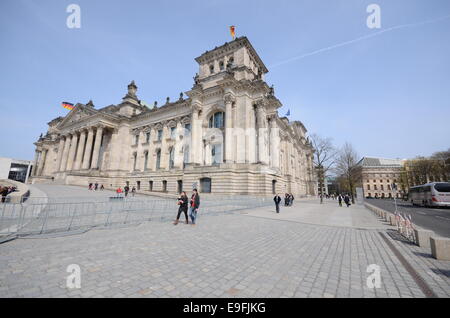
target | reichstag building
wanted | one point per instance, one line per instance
(224, 136)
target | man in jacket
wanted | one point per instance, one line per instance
(277, 200)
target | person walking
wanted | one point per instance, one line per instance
(119, 192)
(277, 200)
(347, 200)
(183, 203)
(195, 203)
(291, 199)
(127, 189)
(96, 186)
(340, 200)
(133, 191)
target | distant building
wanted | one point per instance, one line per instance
(13, 169)
(378, 175)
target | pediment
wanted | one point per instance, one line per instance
(76, 115)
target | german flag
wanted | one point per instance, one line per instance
(67, 105)
(233, 31)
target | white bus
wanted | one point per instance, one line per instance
(430, 194)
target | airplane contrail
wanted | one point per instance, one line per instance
(295, 58)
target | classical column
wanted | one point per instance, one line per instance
(79, 156)
(88, 150)
(262, 134)
(165, 148)
(178, 157)
(42, 161)
(229, 99)
(36, 158)
(96, 151)
(239, 130)
(73, 148)
(275, 143)
(28, 172)
(65, 153)
(60, 153)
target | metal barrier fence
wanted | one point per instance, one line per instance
(34, 218)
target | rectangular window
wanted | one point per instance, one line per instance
(158, 159)
(173, 131)
(134, 161)
(368, 187)
(216, 153)
(147, 137)
(136, 139)
(160, 132)
(146, 161)
(188, 128)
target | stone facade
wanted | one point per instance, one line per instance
(225, 137)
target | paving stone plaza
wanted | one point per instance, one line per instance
(308, 250)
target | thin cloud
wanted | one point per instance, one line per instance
(365, 37)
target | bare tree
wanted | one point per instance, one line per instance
(324, 159)
(347, 169)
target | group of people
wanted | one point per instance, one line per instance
(5, 190)
(126, 190)
(193, 206)
(345, 198)
(94, 186)
(288, 201)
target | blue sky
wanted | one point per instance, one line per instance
(388, 95)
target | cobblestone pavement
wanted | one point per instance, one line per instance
(235, 255)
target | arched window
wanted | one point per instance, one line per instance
(217, 120)
(221, 66)
(211, 69)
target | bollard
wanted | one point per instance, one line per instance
(392, 220)
(423, 237)
(440, 248)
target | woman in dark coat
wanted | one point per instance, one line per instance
(183, 203)
(195, 203)
(347, 200)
